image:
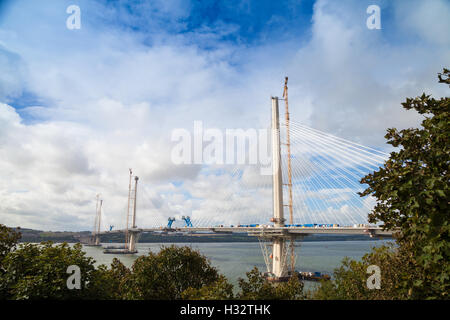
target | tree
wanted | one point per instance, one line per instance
(218, 290)
(412, 191)
(290, 290)
(350, 279)
(444, 77)
(112, 283)
(257, 287)
(39, 271)
(167, 274)
(8, 241)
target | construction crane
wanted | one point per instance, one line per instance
(94, 239)
(289, 184)
(169, 224)
(131, 231)
(187, 219)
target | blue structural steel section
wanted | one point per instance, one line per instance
(307, 225)
(313, 225)
(187, 220)
(169, 224)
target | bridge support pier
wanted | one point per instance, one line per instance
(97, 240)
(279, 258)
(279, 265)
(132, 241)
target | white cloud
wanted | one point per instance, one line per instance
(429, 20)
(358, 76)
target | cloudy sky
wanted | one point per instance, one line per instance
(78, 107)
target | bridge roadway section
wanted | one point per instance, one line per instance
(266, 231)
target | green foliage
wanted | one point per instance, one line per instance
(256, 287)
(170, 272)
(291, 290)
(351, 277)
(444, 77)
(39, 271)
(8, 241)
(218, 290)
(412, 190)
(119, 279)
(113, 283)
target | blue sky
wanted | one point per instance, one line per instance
(251, 21)
(79, 107)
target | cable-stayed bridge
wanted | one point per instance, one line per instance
(310, 186)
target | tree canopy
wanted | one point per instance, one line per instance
(8, 241)
(257, 287)
(168, 273)
(39, 271)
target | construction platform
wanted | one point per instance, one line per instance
(119, 251)
(309, 276)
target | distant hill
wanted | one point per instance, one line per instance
(30, 235)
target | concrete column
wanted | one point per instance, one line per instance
(278, 268)
(97, 237)
(278, 215)
(134, 202)
(132, 246)
(276, 167)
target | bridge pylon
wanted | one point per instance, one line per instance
(278, 243)
(277, 261)
(98, 220)
(94, 239)
(131, 232)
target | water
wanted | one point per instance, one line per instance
(235, 259)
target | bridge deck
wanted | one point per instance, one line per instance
(268, 231)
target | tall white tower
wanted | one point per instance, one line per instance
(278, 254)
(133, 233)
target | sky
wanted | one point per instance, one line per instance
(78, 107)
